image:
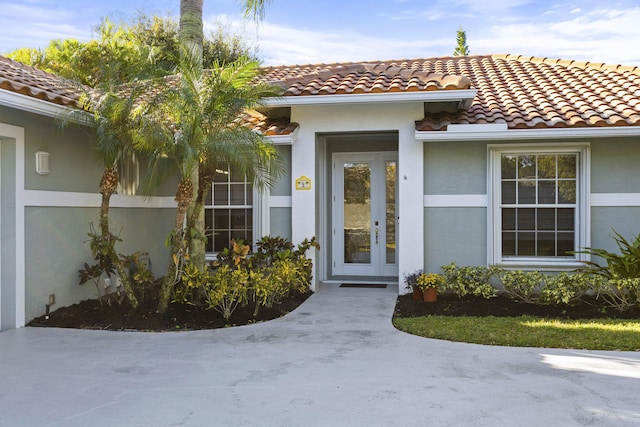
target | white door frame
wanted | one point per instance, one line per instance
(378, 265)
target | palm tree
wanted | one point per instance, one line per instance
(193, 124)
(255, 8)
(110, 108)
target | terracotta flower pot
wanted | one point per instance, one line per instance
(431, 295)
(417, 294)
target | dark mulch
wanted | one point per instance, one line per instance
(501, 306)
(91, 314)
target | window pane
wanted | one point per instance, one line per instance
(526, 244)
(208, 229)
(236, 176)
(547, 167)
(567, 166)
(526, 192)
(527, 167)
(566, 220)
(567, 190)
(237, 194)
(238, 219)
(508, 192)
(221, 219)
(565, 244)
(547, 219)
(546, 244)
(508, 244)
(220, 195)
(243, 235)
(509, 167)
(526, 219)
(547, 192)
(508, 219)
(221, 240)
(208, 198)
(221, 174)
(249, 194)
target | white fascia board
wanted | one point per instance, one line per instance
(488, 134)
(366, 98)
(39, 106)
(284, 139)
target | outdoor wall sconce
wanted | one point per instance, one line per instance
(42, 163)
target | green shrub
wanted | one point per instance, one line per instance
(625, 265)
(227, 288)
(565, 288)
(522, 286)
(469, 280)
(621, 294)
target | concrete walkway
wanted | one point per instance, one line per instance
(335, 361)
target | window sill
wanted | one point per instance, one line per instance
(540, 264)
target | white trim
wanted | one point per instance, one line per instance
(279, 201)
(456, 201)
(284, 139)
(92, 200)
(41, 107)
(465, 96)
(521, 134)
(17, 133)
(615, 199)
(583, 221)
(485, 127)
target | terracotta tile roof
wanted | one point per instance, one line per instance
(522, 92)
(534, 93)
(266, 126)
(359, 78)
(19, 78)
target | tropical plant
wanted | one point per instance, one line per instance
(625, 265)
(565, 288)
(228, 289)
(470, 280)
(523, 286)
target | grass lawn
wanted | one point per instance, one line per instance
(528, 331)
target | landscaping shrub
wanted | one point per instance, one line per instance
(619, 286)
(565, 288)
(264, 278)
(469, 280)
(522, 286)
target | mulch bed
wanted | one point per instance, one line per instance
(91, 314)
(501, 306)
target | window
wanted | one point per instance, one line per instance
(228, 210)
(538, 210)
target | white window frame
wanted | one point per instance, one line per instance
(258, 224)
(494, 214)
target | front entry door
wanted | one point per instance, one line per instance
(364, 214)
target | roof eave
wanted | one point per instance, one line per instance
(37, 106)
(465, 97)
(528, 134)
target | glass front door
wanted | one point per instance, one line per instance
(364, 214)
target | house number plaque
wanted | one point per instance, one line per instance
(303, 183)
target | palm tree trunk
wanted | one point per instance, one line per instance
(108, 186)
(195, 221)
(184, 195)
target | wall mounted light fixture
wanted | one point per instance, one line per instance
(42, 163)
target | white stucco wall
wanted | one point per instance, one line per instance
(397, 117)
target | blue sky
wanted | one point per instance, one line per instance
(305, 31)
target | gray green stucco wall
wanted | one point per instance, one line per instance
(7, 234)
(460, 168)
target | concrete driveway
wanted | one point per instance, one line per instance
(335, 361)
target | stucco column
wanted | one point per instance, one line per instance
(303, 201)
(410, 205)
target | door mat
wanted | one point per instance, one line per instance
(363, 285)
